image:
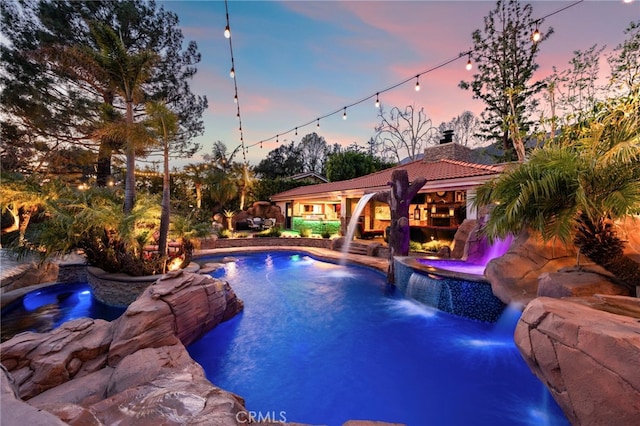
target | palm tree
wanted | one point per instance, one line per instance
(245, 179)
(165, 124)
(243, 176)
(126, 72)
(94, 222)
(574, 188)
(220, 158)
(195, 173)
(222, 188)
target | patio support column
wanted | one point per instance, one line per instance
(472, 212)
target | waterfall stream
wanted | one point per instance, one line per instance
(353, 222)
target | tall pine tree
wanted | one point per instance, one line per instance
(56, 102)
(505, 55)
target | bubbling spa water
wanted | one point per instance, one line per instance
(323, 343)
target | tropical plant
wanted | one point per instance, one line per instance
(225, 233)
(273, 232)
(93, 222)
(415, 245)
(305, 231)
(574, 188)
(228, 215)
(222, 189)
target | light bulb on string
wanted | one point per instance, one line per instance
(235, 99)
(277, 138)
(232, 73)
(536, 36)
(344, 114)
(227, 32)
(260, 144)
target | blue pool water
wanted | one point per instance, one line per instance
(322, 343)
(45, 309)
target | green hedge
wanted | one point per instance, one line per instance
(317, 227)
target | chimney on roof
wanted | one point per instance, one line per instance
(447, 136)
(447, 149)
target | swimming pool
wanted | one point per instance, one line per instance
(49, 307)
(323, 343)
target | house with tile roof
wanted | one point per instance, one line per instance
(436, 212)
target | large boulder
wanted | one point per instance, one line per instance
(578, 281)
(263, 209)
(467, 229)
(587, 352)
(628, 230)
(16, 411)
(41, 361)
(514, 276)
(131, 370)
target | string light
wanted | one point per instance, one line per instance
(469, 66)
(344, 114)
(232, 73)
(536, 36)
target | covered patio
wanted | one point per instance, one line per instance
(435, 213)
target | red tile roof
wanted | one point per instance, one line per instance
(433, 171)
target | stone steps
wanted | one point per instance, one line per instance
(360, 248)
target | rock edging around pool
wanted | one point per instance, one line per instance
(586, 350)
(136, 367)
(118, 289)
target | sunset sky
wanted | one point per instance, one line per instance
(299, 60)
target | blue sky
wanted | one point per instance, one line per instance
(299, 60)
